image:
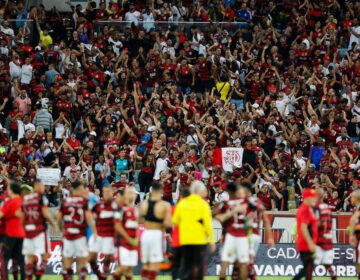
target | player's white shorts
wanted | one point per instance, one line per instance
(103, 245)
(235, 249)
(255, 241)
(38, 245)
(151, 246)
(126, 257)
(324, 256)
(75, 248)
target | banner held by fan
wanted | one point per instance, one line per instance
(228, 157)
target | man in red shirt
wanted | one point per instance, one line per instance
(10, 214)
(307, 230)
(73, 217)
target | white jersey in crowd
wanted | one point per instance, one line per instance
(26, 74)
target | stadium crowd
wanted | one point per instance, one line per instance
(146, 101)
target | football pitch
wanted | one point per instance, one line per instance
(162, 277)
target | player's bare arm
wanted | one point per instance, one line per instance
(47, 216)
(59, 218)
(167, 215)
(122, 232)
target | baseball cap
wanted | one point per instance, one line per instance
(309, 193)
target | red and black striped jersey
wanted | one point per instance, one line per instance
(73, 209)
(323, 214)
(255, 213)
(236, 225)
(32, 206)
(105, 211)
(128, 217)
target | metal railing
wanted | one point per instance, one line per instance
(204, 27)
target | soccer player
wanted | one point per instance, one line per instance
(104, 212)
(73, 217)
(156, 215)
(307, 229)
(236, 248)
(324, 248)
(354, 228)
(256, 213)
(126, 226)
(35, 215)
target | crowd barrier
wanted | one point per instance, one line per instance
(204, 27)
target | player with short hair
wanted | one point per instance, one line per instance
(307, 234)
(126, 226)
(354, 228)
(35, 215)
(324, 248)
(73, 217)
(155, 213)
(104, 212)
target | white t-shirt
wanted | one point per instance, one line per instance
(8, 31)
(22, 128)
(301, 163)
(313, 128)
(282, 105)
(222, 197)
(26, 74)
(15, 70)
(148, 22)
(161, 165)
(192, 139)
(353, 38)
(132, 17)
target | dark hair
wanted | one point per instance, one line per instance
(37, 181)
(247, 184)
(157, 186)
(77, 184)
(15, 188)
(231, 187)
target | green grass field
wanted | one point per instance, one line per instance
(52, 277)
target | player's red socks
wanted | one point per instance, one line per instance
(83, 273)
(40, 270)
(106, 267)
(222, 278)
(95, 267)
(331, 271)
(144, 274)
(67, 274)
(252, 274)
(29, 271)
(235, 273)
(128, 277)
(148, 274)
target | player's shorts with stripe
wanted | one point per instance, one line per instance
(103, 245)
(75, 248)
(151, 246)
(235, 249)
(324, 256)
(126, 257)
(38, 245)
